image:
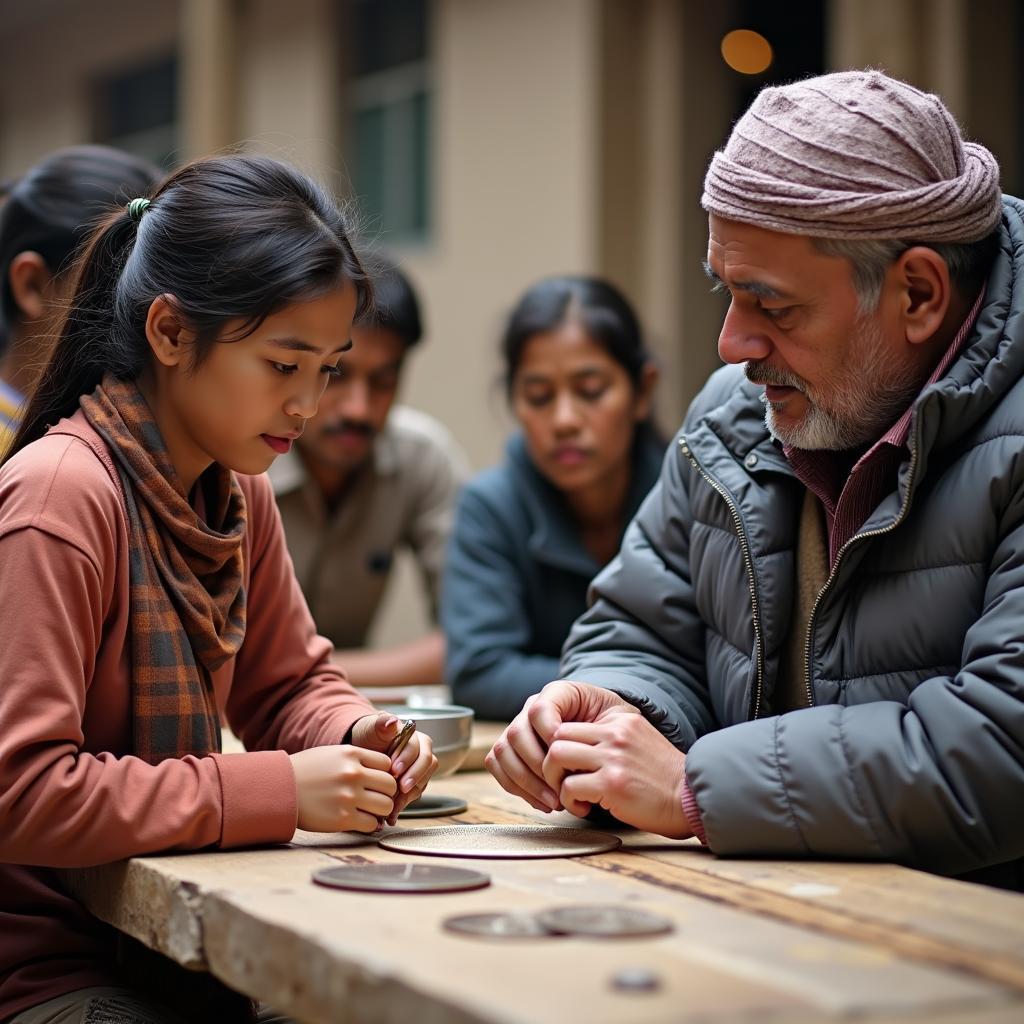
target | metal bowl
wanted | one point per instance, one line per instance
(448, 725)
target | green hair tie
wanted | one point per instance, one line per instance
(136, 208)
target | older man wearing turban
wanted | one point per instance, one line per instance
(812, 640)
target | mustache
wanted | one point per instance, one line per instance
(347, 427)
(760, 372)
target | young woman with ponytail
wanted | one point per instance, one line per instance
(145, 586)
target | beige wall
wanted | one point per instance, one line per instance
(968, 51)
(48, 64)
(568, 136)
(289, 96)
(515, 179)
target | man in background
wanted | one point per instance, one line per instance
(366, 479)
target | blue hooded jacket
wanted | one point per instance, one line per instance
(516, 578)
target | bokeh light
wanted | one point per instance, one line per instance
(746, 51)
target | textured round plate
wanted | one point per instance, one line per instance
(333, 839)
(603, 921)
(497, 926)
(434, 807)
(400, 878)
(508, 841)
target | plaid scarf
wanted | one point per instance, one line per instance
(187, 602)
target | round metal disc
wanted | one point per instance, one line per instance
(400, 878)
(603, 921)
(500, 841)
(497, 926)
(333, 839)
(430, 806)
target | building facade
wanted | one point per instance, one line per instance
(488, 142)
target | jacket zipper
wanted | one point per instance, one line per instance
(835, 569)
(748, 561)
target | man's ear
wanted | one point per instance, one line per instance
(925, 292)
(645, 391)
(29, 277)
(169, 338)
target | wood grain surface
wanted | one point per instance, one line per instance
(754, 940)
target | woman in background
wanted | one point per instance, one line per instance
(531, 533)
(47, 214)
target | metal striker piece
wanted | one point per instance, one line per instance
(598, 921)
(431, 806)
(497, 926)
(399, 743)
(400, 878)
(500, 841)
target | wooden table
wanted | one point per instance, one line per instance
(754, 940)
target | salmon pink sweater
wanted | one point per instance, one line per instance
(71, 793)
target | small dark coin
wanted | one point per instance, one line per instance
(434, 807)
(603, 921)
(400, 878)
(497, 926)
(636, 979)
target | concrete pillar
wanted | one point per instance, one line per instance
(291, 72)
(965, 52)
(708, 110)
(209, 76)
(665, 105)
(920, 41)
(664, 252)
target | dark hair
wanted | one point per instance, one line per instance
(224, 238)
(395, 306)
(596, 304)
(56, 204)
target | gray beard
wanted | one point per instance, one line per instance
(853, 407)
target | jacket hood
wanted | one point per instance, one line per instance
(991, 364)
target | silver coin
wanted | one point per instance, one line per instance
(636, 979)
(497, 926)
(603, 921)
(400, 878)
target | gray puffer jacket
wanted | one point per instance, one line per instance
(913, 750)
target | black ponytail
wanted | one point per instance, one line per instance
(227, 238)
(88, 345)
(54, 207)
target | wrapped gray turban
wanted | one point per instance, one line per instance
(854, 154)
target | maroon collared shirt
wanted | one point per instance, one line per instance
(849, 496)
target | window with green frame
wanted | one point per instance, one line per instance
(390, 110)
(137, 110)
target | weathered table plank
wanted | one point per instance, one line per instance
(953, 924)
(740, 950)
